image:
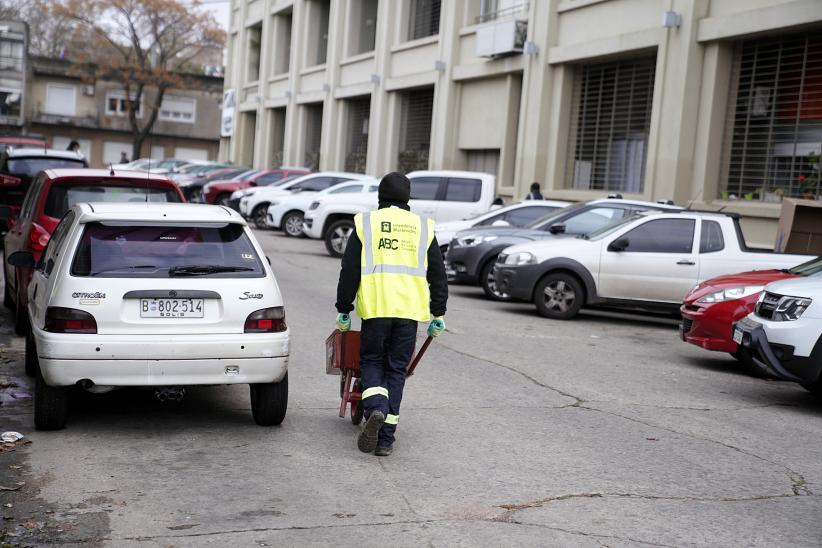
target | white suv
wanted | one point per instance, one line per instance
(163, 296)
(784, 332)
(439, 195)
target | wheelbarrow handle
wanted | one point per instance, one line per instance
(413, 365)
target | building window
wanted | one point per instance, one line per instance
(313, 135)
(317, 52)
(178, 109)
(415, 130)
(10, 96)
(613, 103)
(359, 114)
(116, 104)
(255, 34)
(494, 9)
(423, 18)
(61, 100)
(282, 42)
(363, 26)
(277, 129)
(11, 55)
(775, 128)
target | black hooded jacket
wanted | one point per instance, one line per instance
(351, 266)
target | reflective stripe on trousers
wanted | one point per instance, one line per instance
(375, 391)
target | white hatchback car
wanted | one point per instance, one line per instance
(163, 296)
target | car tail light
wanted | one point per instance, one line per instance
(69, 320)
(267, 320)
(39, 237)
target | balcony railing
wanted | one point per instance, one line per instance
(85, 120)
(502, 12)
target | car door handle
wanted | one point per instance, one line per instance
(688, 262)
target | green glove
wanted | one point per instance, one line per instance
(343, 322)
(436, 327)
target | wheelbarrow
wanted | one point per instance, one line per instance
(342, 357)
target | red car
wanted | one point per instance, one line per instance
(7, 141)
(49, 197)
(711, 308)
(219, 192)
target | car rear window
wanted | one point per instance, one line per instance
(108, 250)
(29, 167)
(62, 197)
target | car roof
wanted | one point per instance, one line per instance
(657, 205)
(155, 212)
(76, 173)
(29, 152)
(451, 173)
(34, 141)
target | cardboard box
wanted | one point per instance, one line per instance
(800, 227)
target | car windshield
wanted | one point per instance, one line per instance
(608, 229)
(29, 167)
(167, 164)
(810, 268)
(120, 250)
(551, 217)
(62, 197)
(247, 175)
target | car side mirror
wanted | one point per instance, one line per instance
(557, 228)
(620, 244)
(22, 259)
(252, 183)
(500, 222)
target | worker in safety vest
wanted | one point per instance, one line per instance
(394, 267)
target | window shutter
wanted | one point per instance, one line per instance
(613, 104)
(774, 130)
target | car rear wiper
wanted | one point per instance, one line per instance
(200, 269)
(135, 267)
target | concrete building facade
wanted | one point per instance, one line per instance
(713, 103)
(64, 104)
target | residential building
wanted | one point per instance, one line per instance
(65, 104)
(13, 72)
(710, 103)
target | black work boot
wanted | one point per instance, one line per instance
(383, 450)
(367, 441)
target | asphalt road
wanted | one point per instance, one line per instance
(516, 430)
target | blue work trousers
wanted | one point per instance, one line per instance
(386, 348)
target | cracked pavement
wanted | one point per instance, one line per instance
(516, 430)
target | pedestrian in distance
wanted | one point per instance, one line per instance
(73, 146)
(535, 194)
(394, 268)
(123, 157)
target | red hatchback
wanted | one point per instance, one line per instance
(49, 197)
(711, 308)
(219, 192)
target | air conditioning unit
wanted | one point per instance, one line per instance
(88, 91)
(501, 38)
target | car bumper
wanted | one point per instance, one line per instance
(274, 219)
(462, 264)
(776, 359)
(517, 281)
(152, 360)
(311, 228)
(711, 327)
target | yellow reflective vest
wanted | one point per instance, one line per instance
(393, 282)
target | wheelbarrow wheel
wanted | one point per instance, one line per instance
(356, 406)
(356, 413)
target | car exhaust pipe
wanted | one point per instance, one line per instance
(170, 393)
(89, 386)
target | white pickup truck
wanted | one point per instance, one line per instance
(439, 195)
(648, 261)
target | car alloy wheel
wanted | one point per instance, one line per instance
(293, 224)
(559, 296)
(489, 283)
(336, 239)
(259, 216)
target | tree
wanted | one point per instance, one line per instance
(144, 45)
(51, 34)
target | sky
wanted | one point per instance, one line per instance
(220, 9)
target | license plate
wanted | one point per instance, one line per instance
(738, 335)
(171, 308)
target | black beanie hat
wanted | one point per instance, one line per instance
(394, 187)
